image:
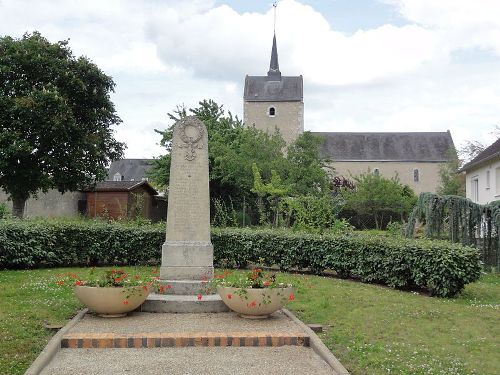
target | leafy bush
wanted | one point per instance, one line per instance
(440, 267)
(4, 211)
(395, 229)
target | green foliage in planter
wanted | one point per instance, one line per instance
(440, 267)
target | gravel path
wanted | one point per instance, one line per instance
(285, 360)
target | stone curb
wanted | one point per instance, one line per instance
(181, 339)
(53, 346)
(318, 346)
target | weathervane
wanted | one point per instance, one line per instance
(275, 5)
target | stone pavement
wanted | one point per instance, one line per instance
(221, 343)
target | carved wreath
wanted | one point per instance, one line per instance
(191, 143)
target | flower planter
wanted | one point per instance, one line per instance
(112, 301)
(255, 303)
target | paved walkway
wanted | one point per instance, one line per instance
(181, 344)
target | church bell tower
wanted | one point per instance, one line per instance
(274, 101)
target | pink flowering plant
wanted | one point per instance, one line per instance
(112, 278)
(254, 279)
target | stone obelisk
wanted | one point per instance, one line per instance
(187, 254)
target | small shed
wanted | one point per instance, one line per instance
(122, 199)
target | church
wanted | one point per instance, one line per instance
(275, 101)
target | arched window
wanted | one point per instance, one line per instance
(416, 175)
(376, 172)
(117, 177)
(272, 111)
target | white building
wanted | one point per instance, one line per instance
(482, 175)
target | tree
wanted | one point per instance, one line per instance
(469, 150)
(306, 171)
(451, 182)
(379, 197)
(55, 119)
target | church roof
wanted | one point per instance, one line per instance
(489, 153)
(274, 87)
(262, 89)
(130, 169)
(414, 147)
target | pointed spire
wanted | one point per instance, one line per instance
(274, 67)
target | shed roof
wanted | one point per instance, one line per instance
(489, 153)
(130, 169)
(412, 146)
(126, 186)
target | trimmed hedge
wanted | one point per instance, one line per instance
(440, 267)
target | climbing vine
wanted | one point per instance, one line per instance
(457, 219)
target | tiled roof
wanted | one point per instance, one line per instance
(130, 169)
(417, 146)
(121, 186)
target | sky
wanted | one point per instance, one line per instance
(368, 65)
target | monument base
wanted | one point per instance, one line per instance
(185, 287)
(161, 303)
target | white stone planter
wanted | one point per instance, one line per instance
(255, 303)
(110, 301)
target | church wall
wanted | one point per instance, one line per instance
(289, 118)
(428, 172)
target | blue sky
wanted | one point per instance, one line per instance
(344, 15)
(368, 65)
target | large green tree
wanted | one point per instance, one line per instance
(55, 119)
(234, 148)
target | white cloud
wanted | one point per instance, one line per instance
(389, 78)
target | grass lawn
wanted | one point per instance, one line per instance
(371, 329)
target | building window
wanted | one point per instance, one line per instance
(272, 111)
(487, 179)
(117, 177)
(416, 175)
(474, 189)
(376, 172)
(497, 181)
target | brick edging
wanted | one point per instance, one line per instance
(162, 340)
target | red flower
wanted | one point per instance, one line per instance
(125, 302)
(78, 282)
(169, 286)
(229, 296)
(137, 277)
(154, 271)
(162, 288)
(60, 282)
(199, 297)
(291, 297)
(118, 279)
(267, 283)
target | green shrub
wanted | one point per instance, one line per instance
(440, 267)
(4, 211)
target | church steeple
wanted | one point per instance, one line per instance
(274, 67)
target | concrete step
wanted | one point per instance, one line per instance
(166, 303)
